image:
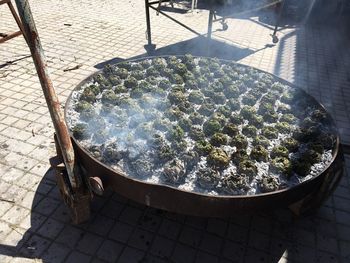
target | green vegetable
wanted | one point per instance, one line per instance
(218, 158)
(259, 153)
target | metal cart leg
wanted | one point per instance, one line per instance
(149, 47)
(274, 36)
(210, 29)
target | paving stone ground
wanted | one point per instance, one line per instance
(34, 223)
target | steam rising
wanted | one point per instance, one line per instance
(138, 130)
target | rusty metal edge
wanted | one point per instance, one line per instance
(53, 104)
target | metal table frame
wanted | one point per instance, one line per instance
(156, 6)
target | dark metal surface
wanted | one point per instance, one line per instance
(175, 200)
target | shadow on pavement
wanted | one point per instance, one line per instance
(198, 46)
(123, 231)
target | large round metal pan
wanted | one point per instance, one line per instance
(191, 203)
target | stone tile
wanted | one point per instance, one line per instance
(12, 174)
(155, 259)
(141, 239)
(35, 246)
(110, 251)
(15, 215)
(20, 147)
(253, 255)
(237, 233)
(301, 253)
(183, 254)
(203, 257)
(77, 257)
(342, 192)
(98, 203)
(89, 243)
(150, 222)
(121, 232)
(33, 221)
(343, 232)
(211, 244)
(56, 253)
(17, 134)
(259, 241)
(217, 226)
(262, 224)
(232, 250)
(131, 255)
(326, 243)
(4, 257)
(15, 194)
(190, 236)
(326, 228)
(4, 207)
(196, 222)
(162, 247)
(342, 217)
(61, 214)
(47, 206)
(101, 225)
(47, 186)
(169, 228)
(31, 199)
(20, 260)
(69, 236)
(324, 257)
(130, 215)
(305, 237)
(345, 249)
(341, 203)
(50, 228)
(112, 209)
(279, 246)
(5, 230)
(29, 181)
(15, 238)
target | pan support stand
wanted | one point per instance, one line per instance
(78, 202)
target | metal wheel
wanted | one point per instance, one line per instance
(274, 39)
(150, 48)
(224, 26)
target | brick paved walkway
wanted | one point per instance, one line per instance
(34, 225)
